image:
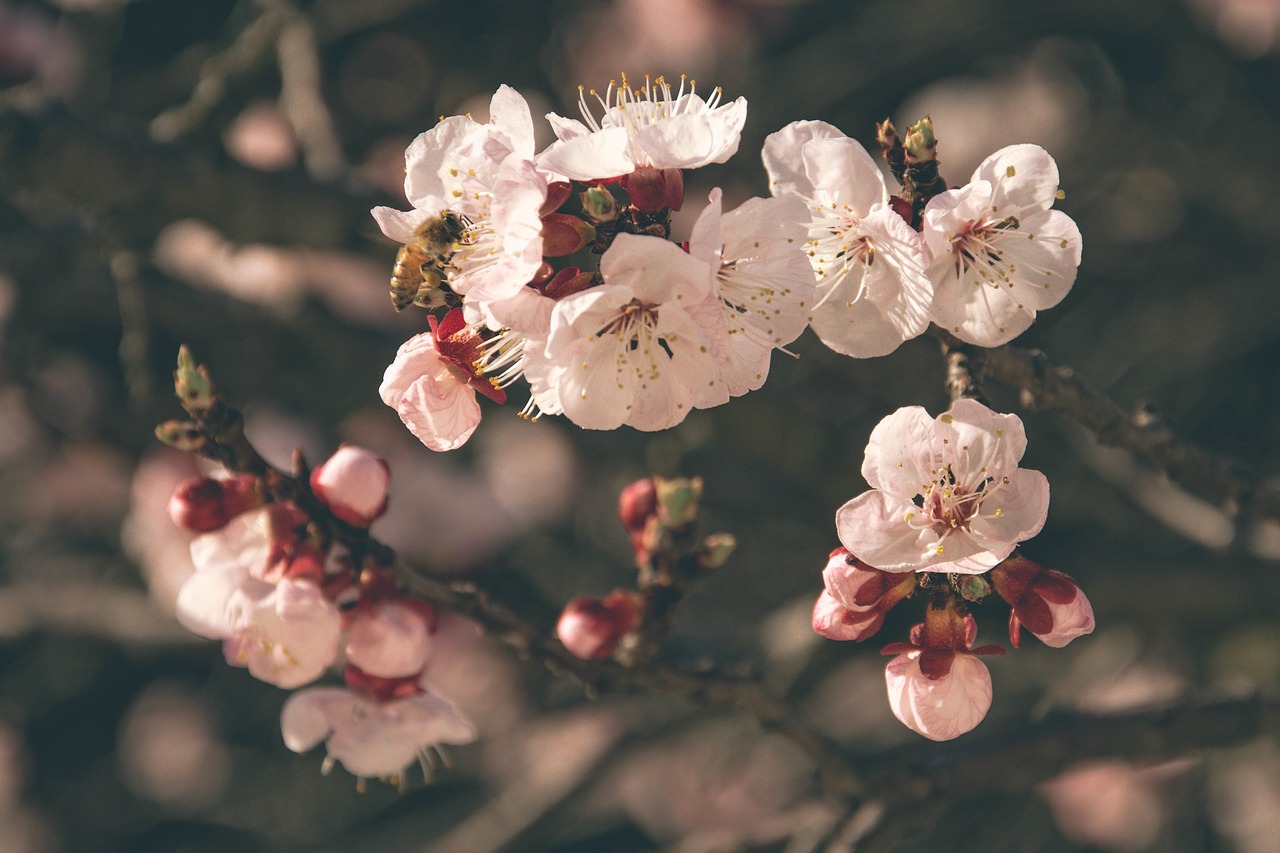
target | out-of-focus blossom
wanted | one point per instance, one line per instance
(650, 127)
(433, 381)
(170, 750)
(872, 291)
(1049, 604)
(353, 484)
(262, 137)
(591, 627)
(390, 639)
(261, 599)
(937, 686)
(856, 597)
(998, 253)
(1110, 805)
(371, 738)
(947, 493)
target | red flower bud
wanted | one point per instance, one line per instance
(652, 190)
(591, 628)
(205, 504)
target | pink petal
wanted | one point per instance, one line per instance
(391, 641)
(899, 458)
(874, 526)
(939, 709)
(1024, 176)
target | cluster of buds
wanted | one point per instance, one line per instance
(659, 516)
(947, 508)
(290, 605)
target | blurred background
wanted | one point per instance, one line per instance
(202, 171)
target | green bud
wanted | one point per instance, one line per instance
(192, 384)
(971, 587)
(678, 501)
(920, 143)
(716, 550)
(599, 204)
(182, 435)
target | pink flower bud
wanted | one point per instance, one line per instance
(391, 639)
(353, 483)
(1049, 604)
(591, 628)
(205, 504)
(637, 503)
(856, 597)
(652, 190)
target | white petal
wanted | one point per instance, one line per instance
(843, 173)
(509, 112)
(899, 457)
(595, 156)
(1025, 178)
(399, 225)
(441, 411)
(1013, 512)
(876, 529)
(306, 718)
(784, 158)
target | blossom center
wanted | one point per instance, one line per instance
(976, 247)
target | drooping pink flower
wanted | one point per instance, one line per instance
(856, 597)
(999, 254)
(285, 634)
(872, 290)
(947, 493)
(432, 383)
(372, 737)
(353, 484)
(937, 686)
(1049, 604)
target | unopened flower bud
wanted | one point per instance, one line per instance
(921, 144)
(353, 483)
(205, 504)
(591, 628)
(1049, 604)
(716, 550)
(637, 503)
(678, 501)
(599, 204)
(182, 435)
(652, 190)
(972, 587)
(564, 234)
(192, 384)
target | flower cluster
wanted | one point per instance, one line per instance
(979, 260)
(947, 507)
(557, 266)
(289, 606)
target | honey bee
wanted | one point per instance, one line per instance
(419, 270)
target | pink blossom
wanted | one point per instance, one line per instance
(872, 292)
(639, 349)
(353, 483)
(761, 280)
(255, 589)
(937, 686)
(999, 254)
(947, 493)
(432, 383)
(1049, 604)
(371, 737)
(391, 639)
(856, 597)
(285, 634)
